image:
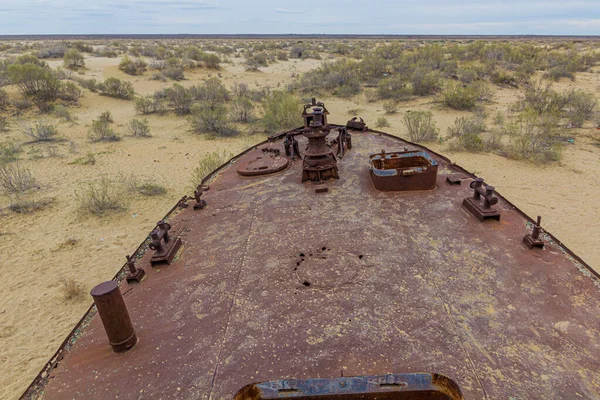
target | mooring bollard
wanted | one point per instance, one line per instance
(114, 316)
(482, 192)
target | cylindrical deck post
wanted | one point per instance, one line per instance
(114, 315)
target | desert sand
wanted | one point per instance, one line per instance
(40, 249)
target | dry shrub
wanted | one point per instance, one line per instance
(390, 107)
(467, 132)
(16, 179)
(139, 128)
(29, 206)
(535, 138)
(241, 109)
(382, 122)
(100, 197)
(208, 164)
(421, 126)
(40, 131)
(72, 290)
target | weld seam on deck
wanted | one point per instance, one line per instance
(233, 297)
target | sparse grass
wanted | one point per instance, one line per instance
(100, 197)
(40, 131)
(145, 188)
(88, 159)
(29, 206)
(16, 179)
(207, 164)
(421, 126)
(139, 128)
(72, 290)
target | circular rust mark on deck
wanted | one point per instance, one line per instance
(327, 269)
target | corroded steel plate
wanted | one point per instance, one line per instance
(435, 290)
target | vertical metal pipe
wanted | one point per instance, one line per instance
(114, 315)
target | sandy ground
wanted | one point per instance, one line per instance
(34, 316)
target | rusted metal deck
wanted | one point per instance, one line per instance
(276, 281)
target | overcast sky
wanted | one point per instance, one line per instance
(280, 17)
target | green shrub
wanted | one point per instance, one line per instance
(421, 126)
(208, 164)
(459, 97)
(15, 179)
(40, 131)
(559, 72)
(424, 82)
(211, 61)
(339, 76)
(113, 87)
(381, 122)
(149, 105)
(34, 80)
(100, 131)
(467, 132)
(106, 117)
(89, 84)
(9, 152)
(139, 128)
(255, 61)
(179, 99)
(210, 120)
(212, 93)
(540, 98)
(100, 197)
(283, 112)
(70, 93)
(73, 59)
(132, 67)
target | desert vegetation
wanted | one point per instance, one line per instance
(100, 138)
